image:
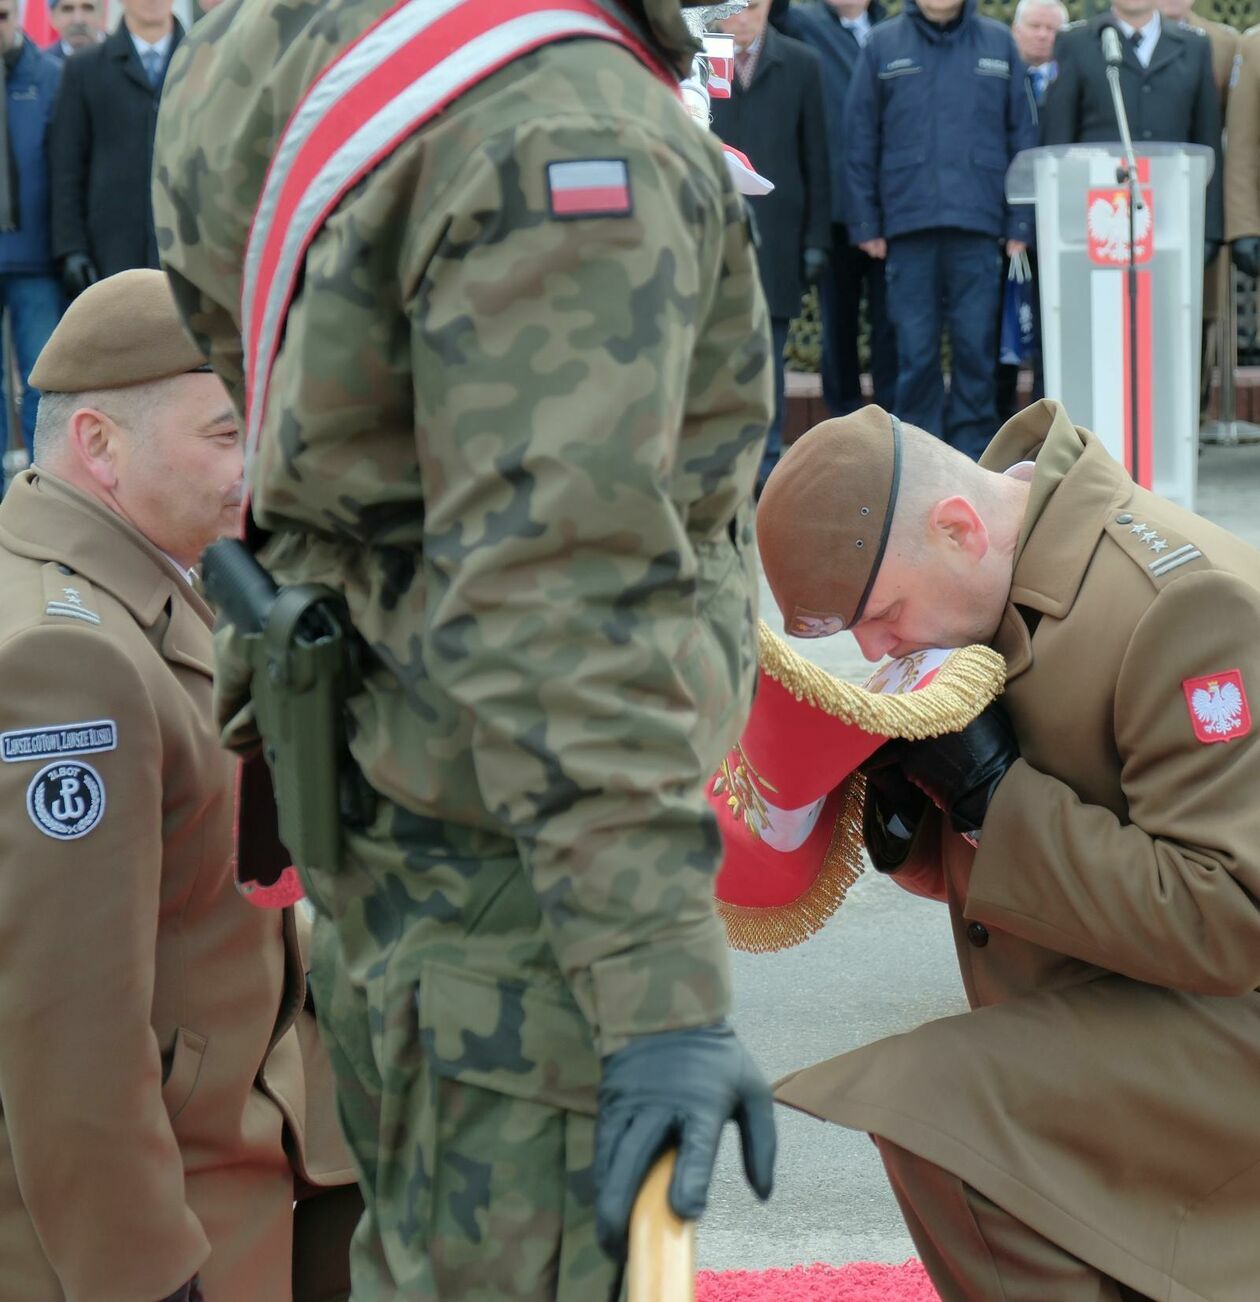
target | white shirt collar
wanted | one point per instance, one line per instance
(1022, 470)
(158, 47)
(190, 576)
(1149, 35)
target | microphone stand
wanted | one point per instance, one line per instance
(1128, 172)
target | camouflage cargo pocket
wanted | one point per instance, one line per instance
(511, 1080)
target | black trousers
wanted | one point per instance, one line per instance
(851, 275)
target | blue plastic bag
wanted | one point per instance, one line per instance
(1018, 340)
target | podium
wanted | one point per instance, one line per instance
(1083, 256)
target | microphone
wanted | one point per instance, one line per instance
(1111, 46)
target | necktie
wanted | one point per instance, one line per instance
(1038, 83)
(744, 67)
(152, 61)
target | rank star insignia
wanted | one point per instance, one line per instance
(72, 596)
(1159, 545)
(1138, 528)
(1148, 535)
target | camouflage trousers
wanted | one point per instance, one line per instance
(466, 1074)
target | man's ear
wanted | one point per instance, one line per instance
(956, 523)
(93, 444)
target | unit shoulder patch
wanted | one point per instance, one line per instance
(66, 800)
(1160, 553)
(56, 739)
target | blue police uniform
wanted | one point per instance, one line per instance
(935, 116)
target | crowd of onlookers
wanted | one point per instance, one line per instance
(888, 140)
(77, 134)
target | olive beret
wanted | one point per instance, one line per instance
(824, 518)
(123, 330)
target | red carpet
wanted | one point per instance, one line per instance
(861, 1282)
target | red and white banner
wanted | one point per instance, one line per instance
(1107, 231)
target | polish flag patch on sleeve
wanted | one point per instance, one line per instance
(1218, 706)
(589, 187)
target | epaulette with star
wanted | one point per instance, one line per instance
(1160, 553)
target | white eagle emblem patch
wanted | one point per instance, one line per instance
(1218, 706)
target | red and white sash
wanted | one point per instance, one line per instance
(404, 70)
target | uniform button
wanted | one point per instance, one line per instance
(1126, 518)
(1146, 135)
(1146, 90)
(978, 934)
(65, 569)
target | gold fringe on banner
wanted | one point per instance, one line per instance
(761, 931)
(970, 679)
(964, 685)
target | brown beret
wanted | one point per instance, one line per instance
(824, 519)
(123, 330)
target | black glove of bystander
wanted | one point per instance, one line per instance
(1246, 254)
(677, 1087)
(1210, 249)
(816, 262)
(191, 1292)
(78, 271)
(961, 771)
(894, 806)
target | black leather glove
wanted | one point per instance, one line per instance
(1210, 249)
(191, 1292)
(816, 263)
(961, 771)
(78, 271)
(678, 1087)
(894, 807)
(1246, 254)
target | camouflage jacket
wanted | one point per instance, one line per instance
(523, 447)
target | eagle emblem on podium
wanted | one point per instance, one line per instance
(1107, 227)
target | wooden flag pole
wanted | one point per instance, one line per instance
(662, 1263)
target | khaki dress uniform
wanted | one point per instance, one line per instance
(1102, 1091)
(1242, 158)
(1224, 41)
(156, 1119)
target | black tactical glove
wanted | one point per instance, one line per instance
(816, 262)
(893, 809)
(191, 1292)
(1246, 254)
(1210, 249)
(961, 771)
(677, 1087)
(78, 271)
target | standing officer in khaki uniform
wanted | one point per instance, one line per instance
(1242, 158)
(1089, 1130)
(157, 1119)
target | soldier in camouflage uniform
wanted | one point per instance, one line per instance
(523, 449)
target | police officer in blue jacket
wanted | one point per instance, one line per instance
(938, 108)
(837, 30)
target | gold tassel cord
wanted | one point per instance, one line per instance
(763, 930)
(968, 681)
